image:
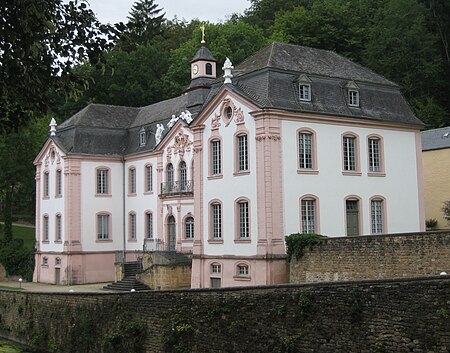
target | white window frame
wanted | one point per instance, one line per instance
(216, 157)
(349, 148)
(102, 186)
(189, 228)
(304, 92)
(103, 227)
(375, 154)
(242, 144)
(216, 221)
(308, 215)
(353, 97)
(305, 150)
(377, 216)
(148, 178)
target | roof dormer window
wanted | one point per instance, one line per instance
(142, 138)
(305, 92)
(352, 94)
(304, 88)
(353, 98)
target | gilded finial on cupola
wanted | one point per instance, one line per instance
(202, 28)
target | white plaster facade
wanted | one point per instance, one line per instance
(240, 214)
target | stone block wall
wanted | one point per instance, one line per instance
(167, 276)
(404, 315)
(374, 257)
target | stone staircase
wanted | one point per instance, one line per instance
(129, 282)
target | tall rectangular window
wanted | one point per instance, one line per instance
(308, 216)
(377, 216)
(102, 181)
(216, 159)
(103, 227)
(374, 155)
(46, 184)
(244, 220)
(58, 182)
(242, 153)
(132, 180)
(189, 228)
(217, 221)
(349, 149)
(58, 228)
(148, 178)
(305, 150)
(149, 225)
(132, 225)
(45, 228)
(305, 92)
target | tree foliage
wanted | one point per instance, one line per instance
(40, 42)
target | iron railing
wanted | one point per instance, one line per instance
(181, 187)
(154, 245)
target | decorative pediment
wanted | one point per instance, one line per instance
(228, 112)
(182, 143)
(303, 78)
(52, 156)
(351, 85)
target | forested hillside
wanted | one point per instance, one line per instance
(147, 59)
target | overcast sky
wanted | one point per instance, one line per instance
(113, 11)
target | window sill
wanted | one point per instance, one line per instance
(132, 240)
(46, 266)
(376, 174)
(103, 241)
(212, 177)
(307, 171)
(132, 194)
(242, 278)
(58, 196)
(46, 197)
(350, 173)
(242, 241)
(45, 242)
(215, 241)
(58, 241)
(244, 172)
(148, 193)
(103, 195)
(190, 240)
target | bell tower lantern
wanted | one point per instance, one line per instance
(203, 65)
(203, 74)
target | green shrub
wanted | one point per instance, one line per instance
(17, 259)
(296, 243)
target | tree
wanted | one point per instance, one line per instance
(144, 24)
(41, 40)
(17, 152)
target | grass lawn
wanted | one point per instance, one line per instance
(21, 232)
(11, 288)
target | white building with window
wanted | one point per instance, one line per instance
(293, 140)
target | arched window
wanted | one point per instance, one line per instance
(350, 153)
(208, 69)
(189, 228)
(132, 226)
(308, 214)
(58, 226)
(242, 270)
(183, 176)
(169, 177)
(45, 228)
(307, 160)
(132, 180)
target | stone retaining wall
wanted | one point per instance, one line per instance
(405, 315)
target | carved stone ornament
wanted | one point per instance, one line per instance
(169, 153)
(272, 137)
(227, 112)
(182, 144)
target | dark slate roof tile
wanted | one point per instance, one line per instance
(436, 139)
(290, 57)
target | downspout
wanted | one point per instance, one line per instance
(124, 215)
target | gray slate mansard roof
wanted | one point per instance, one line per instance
(269, 79)
(436, 139)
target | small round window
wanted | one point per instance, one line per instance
(229, 112)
